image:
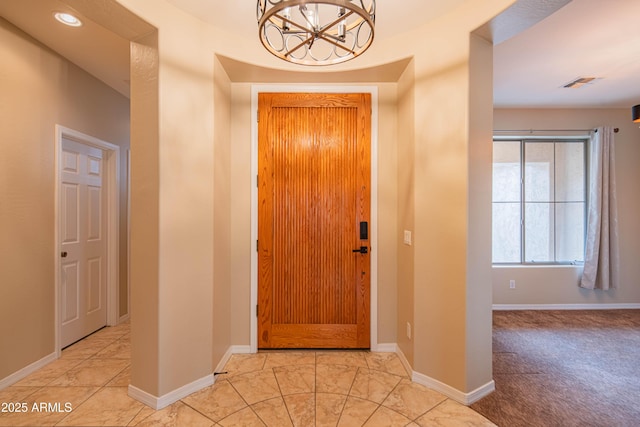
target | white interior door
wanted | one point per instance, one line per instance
(83, 241)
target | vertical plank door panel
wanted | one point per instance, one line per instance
(314, 190)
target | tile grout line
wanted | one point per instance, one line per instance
(202, 413)
(281, 395)
(315, 389)
(349, 394)
(243, 399)
(382, 405)
(81, 403)
(136, 415)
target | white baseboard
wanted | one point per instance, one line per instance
(234, 349)
(453, 393)
(142, 396)
(27, 370)
(631, 306)
(177, 394)
(240, 349)
(123, 319)
(450, 392)
(385, 347)
(404, 361)
(171, 397)
(222, 362)
(480, 392)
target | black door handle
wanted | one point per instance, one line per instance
(362, 250)
(63, 254)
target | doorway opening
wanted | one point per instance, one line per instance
(86, 235)
(372, 226)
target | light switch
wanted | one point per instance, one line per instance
(407, 237)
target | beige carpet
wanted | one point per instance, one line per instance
(565, 368)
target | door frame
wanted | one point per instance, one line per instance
(112, 178)
(373, 233)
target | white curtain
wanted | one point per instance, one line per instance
(601, 259)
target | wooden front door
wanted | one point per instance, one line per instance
(313, 212)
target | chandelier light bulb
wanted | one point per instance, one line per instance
(287, 17)
(342, 26)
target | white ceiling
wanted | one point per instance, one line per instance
(92, 47)
(239, 16)
(585, 38)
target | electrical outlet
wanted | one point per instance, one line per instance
(512, 284)
(408, 330)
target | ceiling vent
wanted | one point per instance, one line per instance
(579, 82)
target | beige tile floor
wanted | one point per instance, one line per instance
(293, 388)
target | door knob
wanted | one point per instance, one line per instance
(63, 254)
(362, 250)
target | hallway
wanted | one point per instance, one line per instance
(302, 388)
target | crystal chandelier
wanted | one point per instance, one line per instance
(316, 32)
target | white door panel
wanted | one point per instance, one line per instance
(83, 248)
(94, 285)
(94, 216)
(70, 213)
(70, 292)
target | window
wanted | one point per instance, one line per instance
(539, 201)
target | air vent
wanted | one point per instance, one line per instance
(579, 82)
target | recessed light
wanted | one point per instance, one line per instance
(67, 19)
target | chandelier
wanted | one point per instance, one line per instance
(316, 32)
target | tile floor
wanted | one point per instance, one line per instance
(293, 388)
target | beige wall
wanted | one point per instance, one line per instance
(435, 294)
(478, 300)
(440, 233)
(39, 90)
(182, 156)
(452, 329)
(387, 248)
(222, 187)
(559, 284)
(406, 208)
(145, 215)
(241, 244)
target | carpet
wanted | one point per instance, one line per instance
(565, 368)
